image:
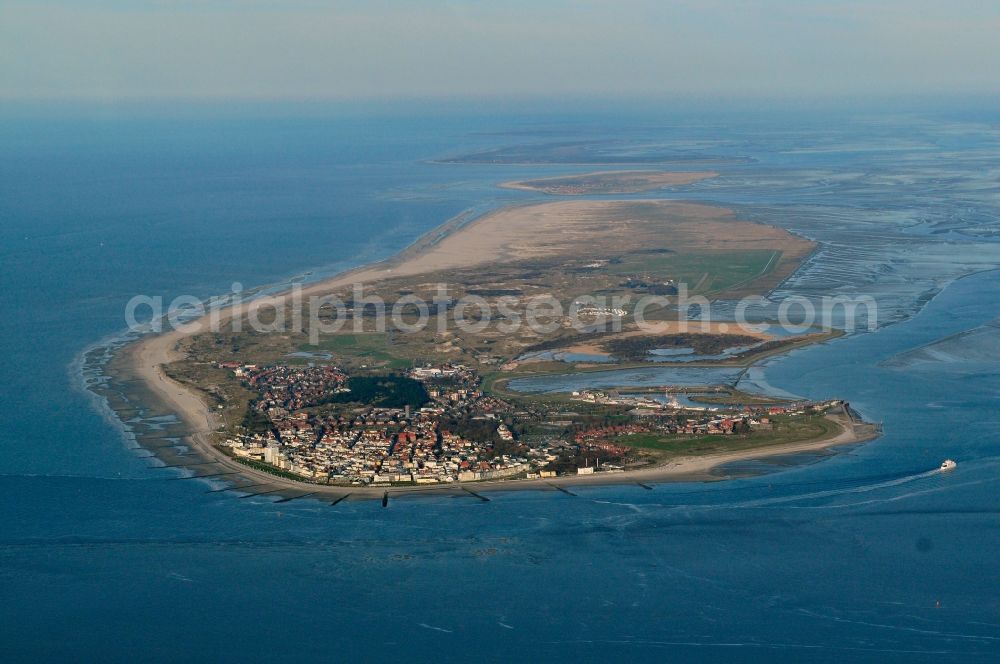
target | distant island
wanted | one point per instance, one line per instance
(594, 152)
(363, 410)
(608, 182)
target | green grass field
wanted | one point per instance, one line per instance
(369, 348)
(268, 468)
(786, 430)
(703, 273)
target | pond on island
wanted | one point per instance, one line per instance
(676, 354)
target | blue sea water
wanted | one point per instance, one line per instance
(861, 556)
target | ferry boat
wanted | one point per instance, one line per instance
(948, 464)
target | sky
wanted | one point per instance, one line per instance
(383, 49)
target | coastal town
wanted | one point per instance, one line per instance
(435, 425)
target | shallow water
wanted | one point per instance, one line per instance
(865, 555)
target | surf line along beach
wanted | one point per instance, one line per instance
(510, 231)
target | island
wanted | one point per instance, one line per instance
(609, 182)
(602, 152)
(362, 410)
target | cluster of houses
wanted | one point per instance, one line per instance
(599, 438)
(286, 389)
(650, 418)
(368, 444)
(373, 445)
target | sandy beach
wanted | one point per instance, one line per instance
(505, 233)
